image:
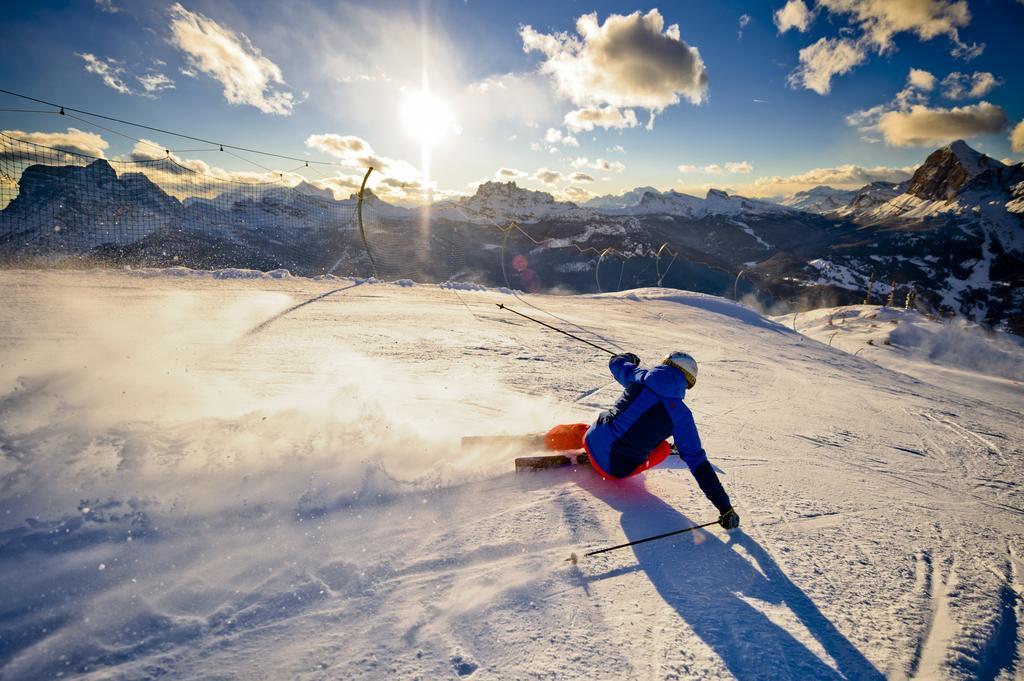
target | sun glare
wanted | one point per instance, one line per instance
(425, 117)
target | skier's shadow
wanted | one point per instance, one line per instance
(709, 583)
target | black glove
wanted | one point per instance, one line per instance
(729, 519)
(630, 357)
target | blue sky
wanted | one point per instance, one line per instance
(759, 98)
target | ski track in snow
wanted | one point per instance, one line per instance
(181, 497)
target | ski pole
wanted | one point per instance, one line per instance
(555, 328)
(573, 559)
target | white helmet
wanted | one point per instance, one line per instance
(686, 364)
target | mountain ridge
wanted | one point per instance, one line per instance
(962, 251)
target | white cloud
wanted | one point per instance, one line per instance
(154, 82)
(1017, 136)
(110, 70)
(628, 61)
(793, 15)
(356, 152)
(874, 26)
(348, 148)
(548, 177)
(609, 166)
(107, 6)
(553, 136)
(212, 177)
(232, 60)
(921, 125)
(619, 149)
(116, 76)
(742, 167)
(744, 20)
(345, 185)
(574, 194)
(921, 79)
(581, 177)
(918, 84)
(825, 59)
(966, 51)
(509, 174)
(73, 140)
(598, 164)
(961, 86)
(907, 120)
(881, 20)
(588, 118)
(841, 177)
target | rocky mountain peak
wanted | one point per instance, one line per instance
(309, 189)
(508, 194)
(820, 199)
(100, 171)
(820, 190)
(494, 187)
(625, 200)
(947, 170)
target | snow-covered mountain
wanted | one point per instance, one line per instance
(869, 197)
(953, 232)
(956, 182)
(650, 201)
(947, 170)
(505, 201)
(76, 208)
(953, 180)
(624, 200)
(308, 189)
(379, 207)
(820, 199)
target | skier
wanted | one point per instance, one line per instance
(632, 436)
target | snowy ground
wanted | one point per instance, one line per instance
(199, 481)
(950, 353)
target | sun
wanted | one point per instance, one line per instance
(425, 117)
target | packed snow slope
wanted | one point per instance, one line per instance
(953, 352)
(229, 478)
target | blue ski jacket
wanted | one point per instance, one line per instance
(650, 411)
